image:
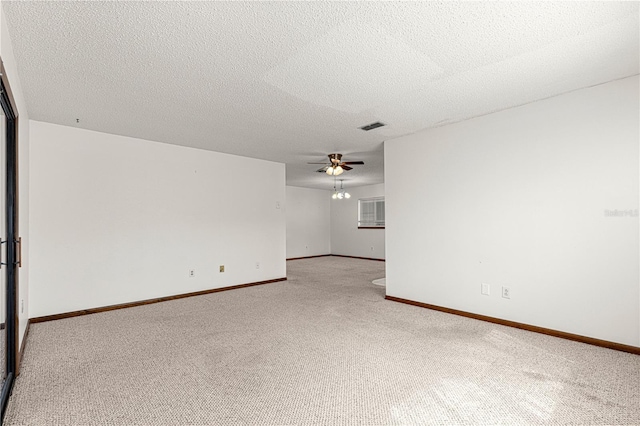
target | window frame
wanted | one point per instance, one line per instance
(376, 223)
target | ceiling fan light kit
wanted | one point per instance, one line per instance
(335, 170)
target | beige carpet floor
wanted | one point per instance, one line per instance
(323, 347)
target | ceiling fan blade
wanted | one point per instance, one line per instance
(322, 170)
(346, 167)
(317, 163)
(353, 162)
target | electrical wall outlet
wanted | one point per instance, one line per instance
(221, 268)
(506, 292)
(192, 273)
(485, 289)
(257, 265)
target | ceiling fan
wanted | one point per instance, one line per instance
(336, 166)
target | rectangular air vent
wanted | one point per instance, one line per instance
(372, 126)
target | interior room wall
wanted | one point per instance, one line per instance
(116, 219)
(8, 59)
(308, 222)
(542, 199)
(346, 238)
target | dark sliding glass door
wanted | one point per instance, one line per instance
(8, 248)
(3, 236)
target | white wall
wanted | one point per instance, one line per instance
(116, 219)
(308, 222)
(517, 198)
(6, 54)
(346, 238)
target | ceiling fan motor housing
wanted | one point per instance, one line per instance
(335, 158)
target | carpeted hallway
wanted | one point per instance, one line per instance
(323, 347)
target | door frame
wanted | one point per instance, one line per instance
(13, 259)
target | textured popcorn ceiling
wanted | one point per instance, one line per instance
(292, 82)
